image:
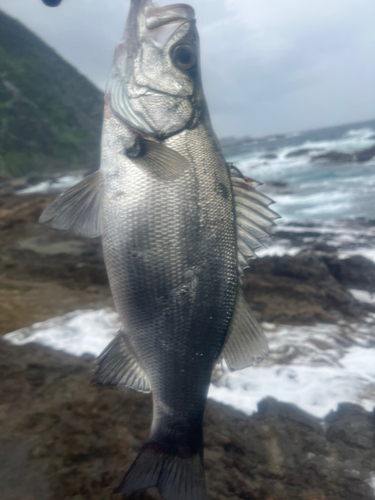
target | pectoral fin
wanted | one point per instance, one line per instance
(246, 341)
(78, 209)
(160, 161)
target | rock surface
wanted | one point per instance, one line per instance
(44, 273)
(62, 438)
(339, 157)
(297, 290)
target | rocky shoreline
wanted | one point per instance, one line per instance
(63, 438)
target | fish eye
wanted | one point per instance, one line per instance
(184, 56)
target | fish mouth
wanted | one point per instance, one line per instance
(161, 22)
(156, 17)
(147, 20)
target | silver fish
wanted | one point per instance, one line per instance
(178, 226)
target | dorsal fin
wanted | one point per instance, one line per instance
(253, 216)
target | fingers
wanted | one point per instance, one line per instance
(52, 3)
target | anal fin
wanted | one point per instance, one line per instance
(246, 341)
(78, 209)
(118, 365)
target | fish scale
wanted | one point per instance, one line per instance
(185, 228)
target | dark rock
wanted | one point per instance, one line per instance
(46, 254)
(300, 152)
(324, 247)
(6, 189)
(75, 260)
(365, 155)
(35, 179)
(44, 273)
(278, 187)
(277, 184)
(63, 438)
(297, 290)
(334, 157)
(351, 425)
(269, 156)
(353, 272)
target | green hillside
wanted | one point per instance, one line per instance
(50, 115)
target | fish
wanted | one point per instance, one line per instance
(178, 225)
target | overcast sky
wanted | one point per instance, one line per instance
(268, 65)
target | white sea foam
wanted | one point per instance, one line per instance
(63, 183)
(371, 481)
(76, 333)
(348, 237)
(308, 366)
(278, 250)
(363, 296)
(368, 253)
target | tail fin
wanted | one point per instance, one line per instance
(177, 478)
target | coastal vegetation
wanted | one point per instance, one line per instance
(50, 115)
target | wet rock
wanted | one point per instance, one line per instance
(62, 438)
(278, 187)
(338, 157)
(324, 247)
(44, 273)
(57, 257)
(353, 272)
(6, 189)
(297, 290)
(351, 425)
(31, 250)
(277, 184)
(334, 157)
(300, 152)
(16, 211)
(269, 156)
(365, 155)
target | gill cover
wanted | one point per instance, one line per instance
(155, 74)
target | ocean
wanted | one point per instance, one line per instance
(306, 187)
(321, 180)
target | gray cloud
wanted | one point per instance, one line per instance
(269, 66)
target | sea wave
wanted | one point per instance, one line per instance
(315, 367)
(52, 185)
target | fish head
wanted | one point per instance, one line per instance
(155, 85)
